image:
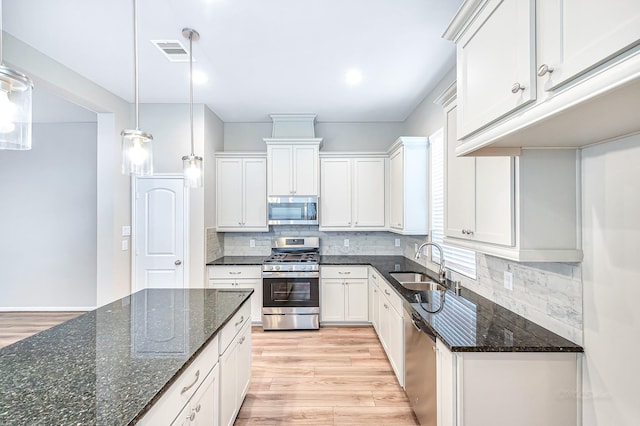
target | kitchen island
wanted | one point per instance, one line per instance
(109, 366)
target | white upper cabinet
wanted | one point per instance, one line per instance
(493, 80)
(409, 186)
(540, 74)
(241, 199)
(293, 168)
(352, 193)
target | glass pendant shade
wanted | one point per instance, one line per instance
(193, 171)
(137, 156)
(16, 90)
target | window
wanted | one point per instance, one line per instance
(457, 259)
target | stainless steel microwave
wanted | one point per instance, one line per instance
(293, 210)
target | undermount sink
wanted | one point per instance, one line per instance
(417, 282)
(424, 286)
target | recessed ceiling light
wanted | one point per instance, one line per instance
(353, 76)
(199, 77)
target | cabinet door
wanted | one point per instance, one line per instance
(368, 192)
(229, 198)
(375, 307)
(460, 183)
(496, 52)
(332, 306)
(305, 177)
(576, 35)
(255, 193)
(445, 384)
(335, 187)
(357, 300)
(396, 189)
(383, 323)
(244, 362)
(228, 384)
(184, 418)
(280, 170)
(495, 200)
(205, 402)
(395, 344)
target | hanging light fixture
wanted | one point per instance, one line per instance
(16, 90)
(137, 155)
(191, 164)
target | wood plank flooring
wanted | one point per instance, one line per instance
(334, 376)
(16, 326)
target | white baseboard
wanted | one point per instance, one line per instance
(47, 309)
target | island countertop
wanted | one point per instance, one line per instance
(101, 368)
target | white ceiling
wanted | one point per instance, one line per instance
(261, 56)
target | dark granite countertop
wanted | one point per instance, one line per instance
(101, 368)
(468, 322)
(238, 260)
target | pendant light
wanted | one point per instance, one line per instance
(137, 156)
(191, 164)
(16, 90)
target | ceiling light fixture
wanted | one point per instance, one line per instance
(191, 164)
(137, 155)
(16, 91)
(353, 76)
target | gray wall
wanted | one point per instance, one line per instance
(48, 220)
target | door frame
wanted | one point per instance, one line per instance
(186, 211)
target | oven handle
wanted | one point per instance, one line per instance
(305, 274)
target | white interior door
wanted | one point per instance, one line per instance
(159, 235)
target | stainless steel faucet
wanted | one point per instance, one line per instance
(442, 275)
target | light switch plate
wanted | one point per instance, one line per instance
(508, 280)
(346, 242)
(126, 231)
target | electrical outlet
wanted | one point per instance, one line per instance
(397, 242)
(125, 245)
(508, 280)
(346, 242)
(252, 243)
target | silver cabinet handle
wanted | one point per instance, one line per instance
(516, 88)
(344, 272)
(544, 69)
(385, 306)
(387, 292)
(242, 340)
(239, 322)
(235, 272)
(186, 388)
(178, 262)
(198, 408)
(467, 232)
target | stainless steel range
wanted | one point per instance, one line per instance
(291, 284)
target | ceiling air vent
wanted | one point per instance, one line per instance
(172, 50)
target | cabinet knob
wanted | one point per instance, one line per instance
(178, 262)
(516, 88)
(544, 69)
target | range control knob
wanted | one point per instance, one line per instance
(277, 267)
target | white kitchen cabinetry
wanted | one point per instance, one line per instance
(352, 193)
(293, 167)
(409, 186)
(521, 208)
(193, 397)
(549, 380)
(235, 369)
(241, 197)
(240, 278)
(374, 299)
(390, 329)
(344, 294)
(545, 73)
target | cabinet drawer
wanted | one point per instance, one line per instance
(343, 272)
(177, 396)
(233, 272)
(390, 294)
(234, 325)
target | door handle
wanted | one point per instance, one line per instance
(178, 262)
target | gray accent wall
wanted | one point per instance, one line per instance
(48, 220)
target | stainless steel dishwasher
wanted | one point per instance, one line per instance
(420, 367)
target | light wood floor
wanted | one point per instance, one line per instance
(16, 326)
(334, 376)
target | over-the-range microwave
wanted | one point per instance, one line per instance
(293, 210)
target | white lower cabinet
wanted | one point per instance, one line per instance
(344, 294)
(239, 278)
(494, 388)
(203, 407)
(235, 373)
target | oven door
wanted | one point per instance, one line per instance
(282, 290)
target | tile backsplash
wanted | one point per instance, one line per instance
(549, 294)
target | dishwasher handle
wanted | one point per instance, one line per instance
(420, 325)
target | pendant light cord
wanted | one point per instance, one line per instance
(191, 87)
(1, 33)
(135, 57)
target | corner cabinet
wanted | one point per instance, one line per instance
(522, 208)
(344, 293)
(409, 186)
(352, 193)
(241, 198)
(545, 73)
(293, 167)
